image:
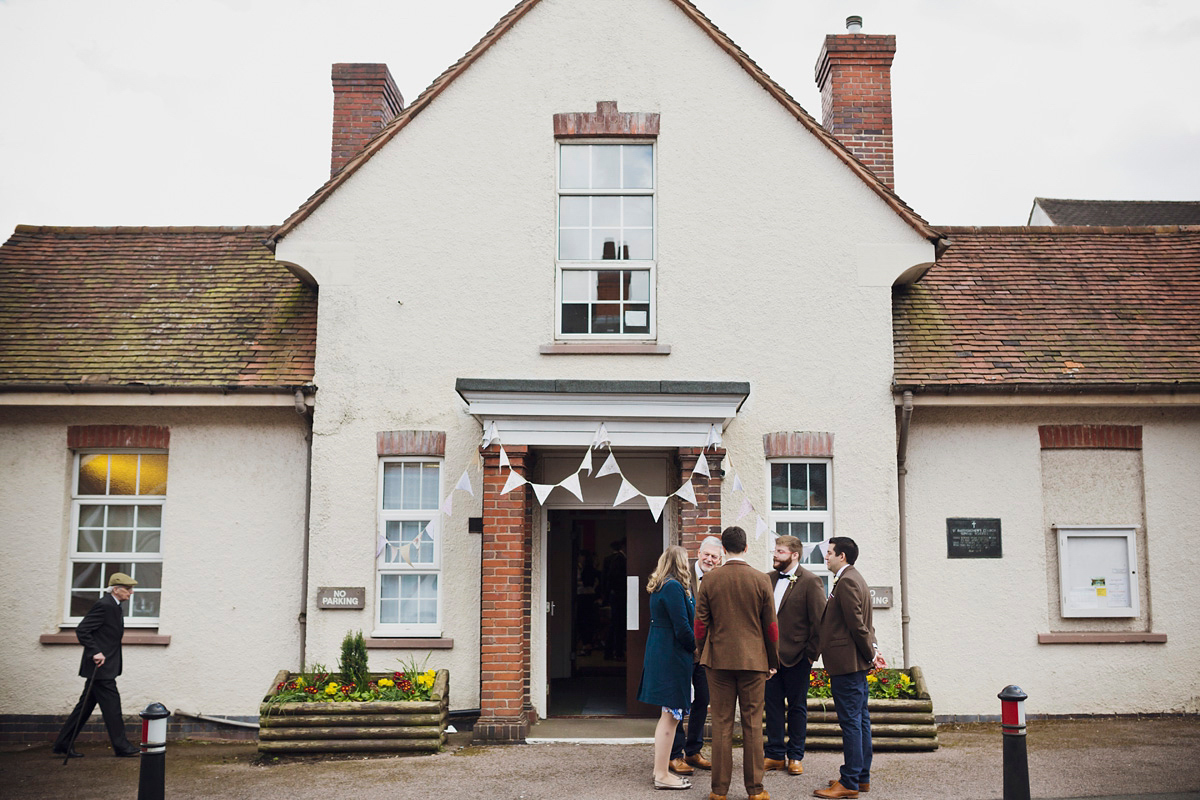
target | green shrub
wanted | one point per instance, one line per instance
(353, 663)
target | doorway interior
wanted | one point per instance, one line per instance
(596, 641)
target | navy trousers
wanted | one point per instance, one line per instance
(104, 692)
(696, 719)
(788, 686)
(850, 702)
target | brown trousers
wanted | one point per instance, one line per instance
(745, 687)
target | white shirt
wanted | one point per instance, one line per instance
(781, 586)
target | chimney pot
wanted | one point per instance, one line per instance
(854, 24)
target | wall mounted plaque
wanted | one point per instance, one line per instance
(342, 597)
(972, 537)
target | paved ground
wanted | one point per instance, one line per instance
(1149, 759)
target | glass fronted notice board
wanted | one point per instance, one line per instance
(1097, 570)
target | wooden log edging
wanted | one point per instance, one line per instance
(896, 725)
(367, 727)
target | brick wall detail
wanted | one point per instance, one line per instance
(142, 437)
(411, 443)
(854, 73)
(365, 99)
(798, 444)
(704, 518)
(1106, 437)
(605, 121)
(505, 598)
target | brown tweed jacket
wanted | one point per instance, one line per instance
(800, 617)
(847, 631)
(736, 628)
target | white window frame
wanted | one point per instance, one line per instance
(75, 556)
(650, 266)
(825, 517)
(382, 567)
(1071, 604)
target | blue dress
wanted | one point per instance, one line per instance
(667, 668)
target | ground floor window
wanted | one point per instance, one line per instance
(408, 601)
(802, 503)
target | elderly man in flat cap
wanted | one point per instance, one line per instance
(100, 634)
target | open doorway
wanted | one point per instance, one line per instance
(596, 640)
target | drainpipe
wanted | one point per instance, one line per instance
(901, 472)
(302, 408)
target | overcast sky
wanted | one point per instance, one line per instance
(217, 112)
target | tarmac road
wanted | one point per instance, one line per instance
(1147, 759)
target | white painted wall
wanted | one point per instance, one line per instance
(770, 257)
(233, 529)
(975, 621)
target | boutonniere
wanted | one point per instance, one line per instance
(792, 578)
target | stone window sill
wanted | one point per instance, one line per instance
(149, 636)
(1084, 637)
(604, 348)
(374, 643)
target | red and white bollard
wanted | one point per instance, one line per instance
(153, 774)
(1016, 757)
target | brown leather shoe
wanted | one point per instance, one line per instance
(836, 790)
(774, 763)
(712, 796)
(763, 795)
(795, 767)
(862, 787)
(698, 761)
(680, 767)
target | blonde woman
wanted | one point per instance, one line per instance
(667, 668)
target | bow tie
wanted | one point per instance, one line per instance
(783, 575)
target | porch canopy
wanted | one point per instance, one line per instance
(566, 413)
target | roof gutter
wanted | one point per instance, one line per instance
(1138, 394)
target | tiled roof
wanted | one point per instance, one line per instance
(199, 308)
(1120, 212)
(716, 34)
(1053, 309)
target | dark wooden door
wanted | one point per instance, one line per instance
(643, 546)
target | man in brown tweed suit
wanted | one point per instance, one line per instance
(738, 636)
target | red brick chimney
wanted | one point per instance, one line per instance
(854, 73)
(365, 99)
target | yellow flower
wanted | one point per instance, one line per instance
(386, 682)
(300, 682)
(872, 679)
(905, 680)
(425, 679)
(331, 688)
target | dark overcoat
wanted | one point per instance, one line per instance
(667, 668)
(100, 632)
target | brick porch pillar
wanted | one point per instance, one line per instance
(505, 602)
(704, 518)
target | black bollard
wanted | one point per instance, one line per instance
(1016, 758)
(153, 775)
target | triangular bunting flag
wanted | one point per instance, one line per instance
(543, 490)
(687, 492)
(627, 492)
(601, 437)
(504, 458)
(406, 553)
(701, 465)
(514, 481)
(586, 464)
(746, 508)
(714, 437)
(448, 504)
(490, 435)
(737, 483)
(571, 484)
(760, 525)
(379, 545)
(609, 467)
(464, 483)
(809, 549)
(656, 504)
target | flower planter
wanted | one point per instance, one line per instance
(416, 726)
(895, 724)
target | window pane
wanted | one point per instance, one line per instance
(573, 245)
(428, 611)
(638, 166)
(575, 318)
(410, 488)
(148, 541)
(93, 474)
(639, 244)
(91, 516)
(145, 604)
(90, 541)
(637, 319)
(639, 212)
(608, 285)
(606, 211)
(408, 587)
(637, 285)
(798, 496)
(576, 285)
(573, 167)
(816, 533)
(120, 516)
(86, 576)
(123, 474)
(391, 485)
(779, 487)
(82, 602)
(606, 318)
(604, 245)
(429, 486)
(147, 575)
(149, 516)
(119, 541)
(389, 586)
(606, 166)
(408, 609)
(818, 500)
(153, 477)
(573, 211)
(389, 611)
